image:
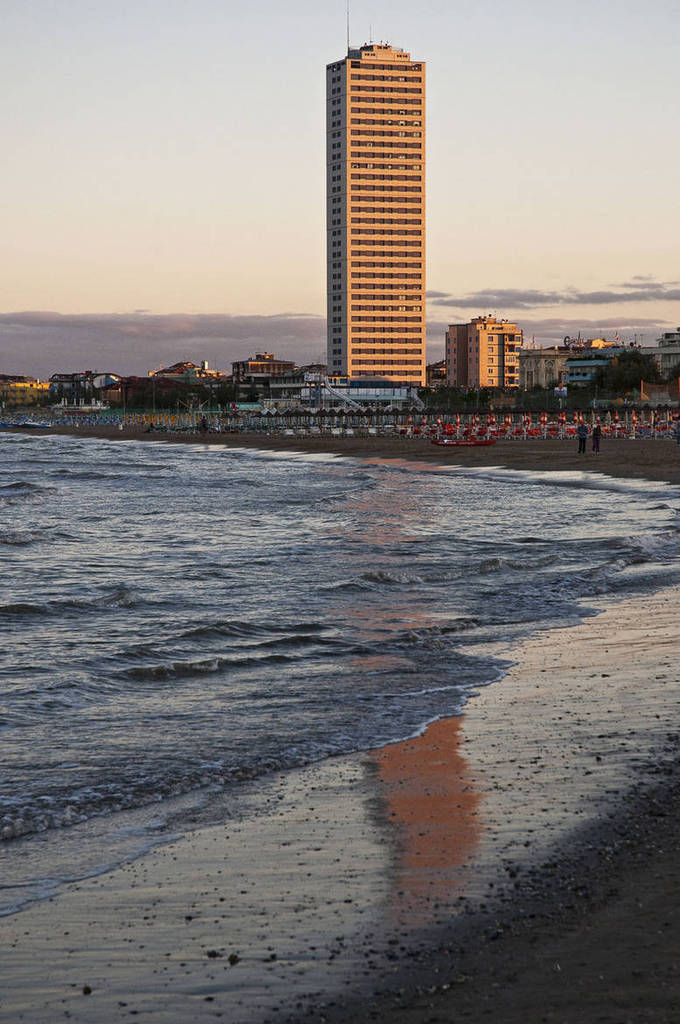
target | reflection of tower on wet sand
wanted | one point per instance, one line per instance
(428, 796)
(548, 750)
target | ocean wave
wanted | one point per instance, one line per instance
(90, 474)
(143, 649)
(64, 809)
(570, 479)
(203, 666)
(22, 608)
(28, 696)
(426, 691)
(381, 576)
(250, 629)
(451, 627)
(499, 564)
(328, 497)
(486, 676)
(608, 543)
(374, 580)
(112, 597)
(20, 491)
(20, 485)
(120, 596)
(650, 546)
(490, 565)
(117, 470)
(248, 643)
(20, 538)
(299, 640)
(141, 783)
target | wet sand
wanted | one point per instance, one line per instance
(571, 809)
(639, 458)
(517, 863)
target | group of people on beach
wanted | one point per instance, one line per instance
(582, 434)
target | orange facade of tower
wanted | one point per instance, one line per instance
(375, 129)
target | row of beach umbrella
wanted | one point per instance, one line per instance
(411, 422)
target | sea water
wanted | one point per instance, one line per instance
(179, 621)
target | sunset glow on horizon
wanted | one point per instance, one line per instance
(169, 159)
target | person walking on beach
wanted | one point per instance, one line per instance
(597, 434)
(677, 430)
(582, 434)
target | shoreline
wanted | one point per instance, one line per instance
(420, 870)
(437, 878)
(580, 922)
(642, 458)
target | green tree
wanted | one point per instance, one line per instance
(624, 372)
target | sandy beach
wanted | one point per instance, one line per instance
(517, 862)
(642, 458)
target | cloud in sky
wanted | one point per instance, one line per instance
(552, 330)
(40, 343)
(645, 282)
(637, 290)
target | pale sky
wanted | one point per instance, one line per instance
(168, 157)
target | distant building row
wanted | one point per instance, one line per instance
(264, 378)
(578, 362)
(490, 353)
(484, 353)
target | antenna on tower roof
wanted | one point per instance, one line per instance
(348, 26)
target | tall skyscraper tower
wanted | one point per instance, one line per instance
(375, 182)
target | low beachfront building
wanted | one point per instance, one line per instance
(289, 387)
(588, 358)
(543, 367)
(190, 373)
(346, 392)
(18, 390)
(666, 352)
(310, 387)
(483, 353)
(435, 374)
(255, 375)
(81, 387)
(583, 369)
